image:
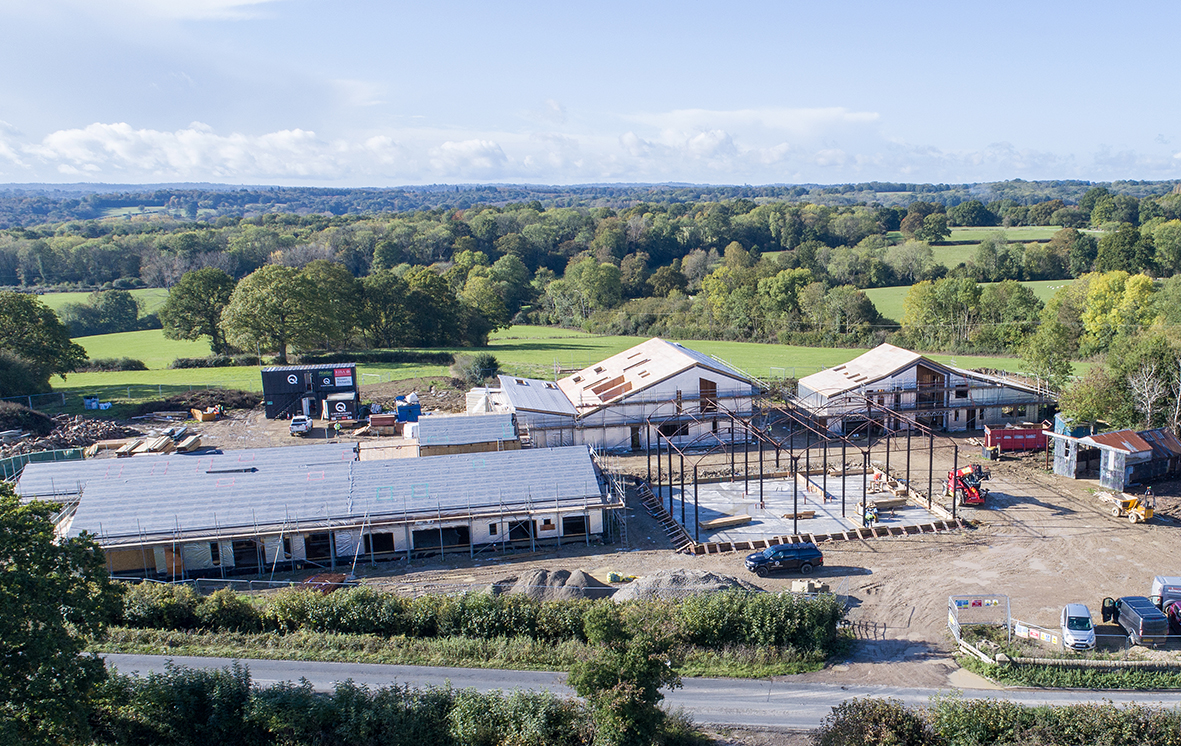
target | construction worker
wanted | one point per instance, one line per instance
(337, 428)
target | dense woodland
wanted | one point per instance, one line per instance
(267, 270)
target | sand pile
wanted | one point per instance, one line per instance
(678, 584)
(543, 585)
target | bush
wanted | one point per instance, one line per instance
(377, 356)
(161, 606)
(216, 361)
(14, 416)
(226, 610)
(19, 376)
(474, 369)
(860, 722)
(106, 364)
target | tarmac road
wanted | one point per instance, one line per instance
(739, 702)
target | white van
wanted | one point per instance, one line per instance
(1078, 633)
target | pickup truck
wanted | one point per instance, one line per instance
(301, 424)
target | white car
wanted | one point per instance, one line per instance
(301, 424)
(1078, 633)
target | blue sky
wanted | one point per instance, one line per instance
(388, 93)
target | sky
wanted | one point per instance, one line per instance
(387, 93)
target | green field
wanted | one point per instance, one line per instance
(534, 351)
(889, 301)
(1024, 234)
(150, 299)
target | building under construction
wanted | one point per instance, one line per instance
(939, 396)
(253, 511)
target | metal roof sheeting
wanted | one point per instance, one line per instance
(465, 429)
(320, 366)
(187, 496)
(1121, 440)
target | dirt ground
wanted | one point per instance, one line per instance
(1042, 540)
(250, 428)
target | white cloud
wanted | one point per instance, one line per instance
(190, 10)
(481, 159)
(119, 152)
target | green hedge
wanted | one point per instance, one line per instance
(185, 706)
(415, 357)
(954, 721)
(715, 621)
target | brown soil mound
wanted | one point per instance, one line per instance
(202, 398)
(543, 585)
(678, 584)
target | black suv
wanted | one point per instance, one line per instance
(802, 557)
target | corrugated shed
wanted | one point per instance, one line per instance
(1121, 440)
(465, 429)
(1163, 442)
(636, 369)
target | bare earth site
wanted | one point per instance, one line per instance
(1042, 540)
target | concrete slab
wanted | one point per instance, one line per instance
(836, 510)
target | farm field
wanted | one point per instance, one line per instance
(150, 299)
(534, 351)
(889, 301)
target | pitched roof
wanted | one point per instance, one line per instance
(636, 369)
(465, 429)
(881, 362)
(1164, 443)
(189, 494)
(1120, 440)
(884, 361)
(535, 395)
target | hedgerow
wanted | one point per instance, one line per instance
(807, 625)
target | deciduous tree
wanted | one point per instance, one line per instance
(56, 594)
(194, 307)
(271, 308)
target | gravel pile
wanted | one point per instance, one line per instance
(678, 584)
(543, 585)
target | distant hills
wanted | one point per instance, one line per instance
(34, 204)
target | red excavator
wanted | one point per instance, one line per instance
(965, 484)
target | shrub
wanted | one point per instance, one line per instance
(14, 416)
(216, 361)
(859, 722)
(226, 610)
(19, 376)
(474, 369)
(106, 364)
(161, 606)
(377, 356)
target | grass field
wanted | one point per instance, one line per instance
(533, 351)
(149, 345)
(889, 301)
(150, 299)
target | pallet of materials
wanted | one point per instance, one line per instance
(128, 448)
(803, 514)
(890, 503)
(208, 415)
(190, 443)
(728, 521)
